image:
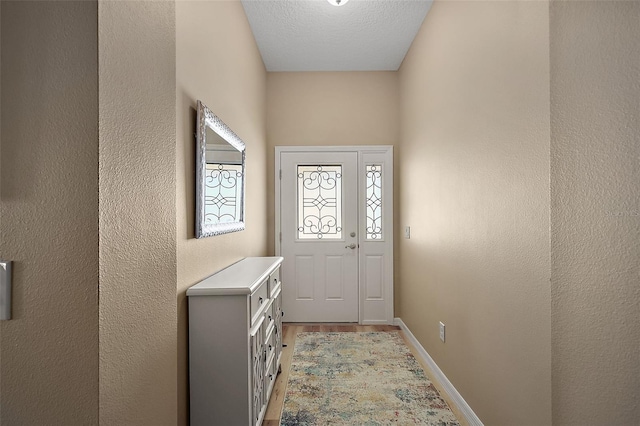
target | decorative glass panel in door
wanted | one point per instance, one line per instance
(319, 193)
(373, 200)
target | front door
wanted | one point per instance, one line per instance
(334, 227)
(319, 224)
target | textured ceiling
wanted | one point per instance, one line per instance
(313, 35)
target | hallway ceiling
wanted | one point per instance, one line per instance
(313, 35)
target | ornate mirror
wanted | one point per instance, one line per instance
(220, 176)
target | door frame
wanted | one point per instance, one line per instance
(379, 151)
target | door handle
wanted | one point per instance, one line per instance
(351, 246)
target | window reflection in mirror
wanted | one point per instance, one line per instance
(223, 180)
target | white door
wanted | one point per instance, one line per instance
(334, 227)
(319, 227)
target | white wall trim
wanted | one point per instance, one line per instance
(448, 387)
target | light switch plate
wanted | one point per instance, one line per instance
(5, 290)
(407, 232)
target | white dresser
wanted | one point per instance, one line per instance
(235, 342)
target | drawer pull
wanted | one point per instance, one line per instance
(260, 299)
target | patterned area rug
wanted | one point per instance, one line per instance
(355, 378)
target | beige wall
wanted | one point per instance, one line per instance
(48, 212)
(474, 187)
(595, 212)
(328, 108)
(218, 63)
(137, 118)
(131, 183)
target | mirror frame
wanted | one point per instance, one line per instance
(207, 119)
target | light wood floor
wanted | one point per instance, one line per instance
(274, 409)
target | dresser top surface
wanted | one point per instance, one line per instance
(243, 277)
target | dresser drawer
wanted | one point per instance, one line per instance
(258, 300)
(270, 314)
(270, 344)
(274, 282)
(270, 376)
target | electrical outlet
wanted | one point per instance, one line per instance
(441, 331)
(407, 232)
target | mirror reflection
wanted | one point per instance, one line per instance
(220, 183)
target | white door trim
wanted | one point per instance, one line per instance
(386, 152)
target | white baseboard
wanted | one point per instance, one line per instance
(448, 387)
(376, 322)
